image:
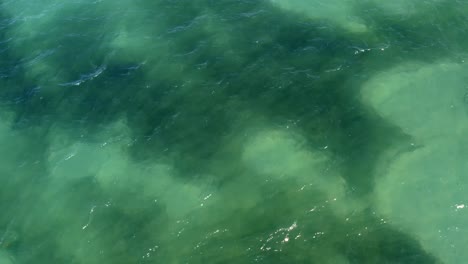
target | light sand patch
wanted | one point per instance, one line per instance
(423, 189)
(130, 187)
(424, 193)
(108, 162)
(339, 12)
(5, 258)
(277, 155)
(425, 101)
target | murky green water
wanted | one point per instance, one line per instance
(233, 131)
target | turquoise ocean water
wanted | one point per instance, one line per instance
(233, 131)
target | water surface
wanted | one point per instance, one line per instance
(233, 131)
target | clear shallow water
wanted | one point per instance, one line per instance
(233, 131)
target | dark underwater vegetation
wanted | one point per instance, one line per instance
(175, 131)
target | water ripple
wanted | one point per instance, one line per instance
(86, 77)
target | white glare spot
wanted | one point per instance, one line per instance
(71, 155)
(294, 225)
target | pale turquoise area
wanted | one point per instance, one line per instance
(233, 131)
